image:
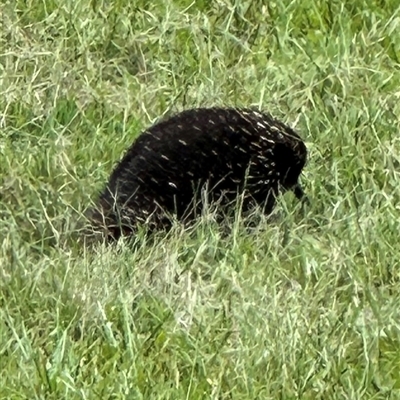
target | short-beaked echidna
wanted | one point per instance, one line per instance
(230, 151)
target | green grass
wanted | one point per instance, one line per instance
(305, 306)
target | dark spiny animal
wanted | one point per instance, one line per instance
(228, 150)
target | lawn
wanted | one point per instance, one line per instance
(303, 305)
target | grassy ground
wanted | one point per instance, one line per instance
(306, 306)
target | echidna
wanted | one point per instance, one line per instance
(230, 151)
